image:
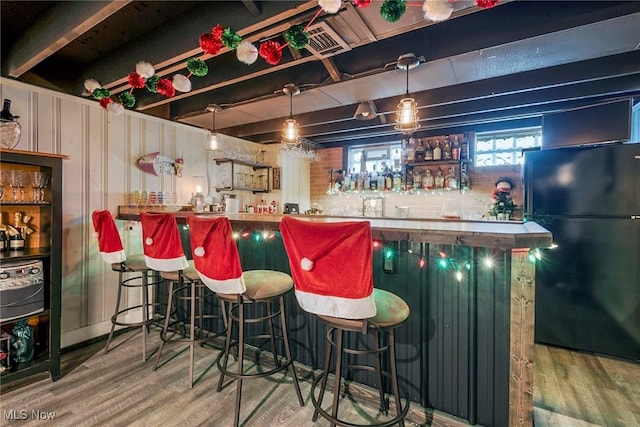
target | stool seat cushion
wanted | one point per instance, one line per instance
(391, 311)
(263, 284)
(189, 273)
(133, 263)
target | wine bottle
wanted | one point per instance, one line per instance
(4, 242)
(16, 241)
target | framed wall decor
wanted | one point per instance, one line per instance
(276, 178)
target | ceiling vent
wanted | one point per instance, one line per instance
(324, 42)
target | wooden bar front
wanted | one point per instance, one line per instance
(467, 347)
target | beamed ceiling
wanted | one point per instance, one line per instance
(507, 64)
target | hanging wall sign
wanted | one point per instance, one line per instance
(155, 164)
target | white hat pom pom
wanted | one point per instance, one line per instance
(145, 69)
(437, 10)
(199, 251)
(247, 52)
(91, 85)
(330, 6)
(116, 108)
(148, 241)
(181, 83)
(306, 264)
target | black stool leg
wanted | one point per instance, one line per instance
(192, 331)
(145, 314)
(274, 350)
(394, 373)
(325, 374)
(227, 346)
(378, 361)
(287, 350)
(338, 375)
(240, 362)
(165, 328)
(114, 318)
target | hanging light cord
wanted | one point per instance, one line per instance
(407, 80)
(291, 105)
(213, 124)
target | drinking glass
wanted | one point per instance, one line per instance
(144, 197)
(39, 181)
(15, 178)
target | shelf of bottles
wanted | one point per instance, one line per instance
(427, 165)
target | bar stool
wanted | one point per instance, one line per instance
(163, 252)
(113, 253)
(342, 296)
(216, 259)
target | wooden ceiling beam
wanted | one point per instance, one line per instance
(57, 28)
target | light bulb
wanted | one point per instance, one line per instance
(213, 141)
(290, 132)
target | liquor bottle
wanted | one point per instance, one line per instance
(388, 180)
(346, 181)
(455, 148)
(437, 151)
(427, 180)
(397, 181)
(464, 149)
(405, 153)
(381, 177)
(417, 179)
(439, 180)
(5, 114)
(428, 152)
(452, 179)
(366, 185)
(465, 182)
(354, 180)
(420, 150)
(373, 183)
(16, 241)
(360, 181)
(446, 149)
(4, 242)
(411, 150)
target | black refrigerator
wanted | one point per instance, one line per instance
(588, 287)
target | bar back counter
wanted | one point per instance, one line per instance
(467, 347)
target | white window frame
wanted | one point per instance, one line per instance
(491, 148)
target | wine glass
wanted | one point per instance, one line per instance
(39, 181)
(16, 182)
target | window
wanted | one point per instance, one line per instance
(381, 156)
(505, 147)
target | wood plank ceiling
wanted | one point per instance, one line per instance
(509, 63)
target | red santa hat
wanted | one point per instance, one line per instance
(331, 265)
(161, 242)
(215, 254)
(109, 241)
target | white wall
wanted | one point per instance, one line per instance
(99, 174)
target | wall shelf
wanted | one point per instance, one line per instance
(254, 166)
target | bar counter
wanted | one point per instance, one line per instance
(467, 348)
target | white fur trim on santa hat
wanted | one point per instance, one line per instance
(306, 264)
(166, 264)
(345, 308)
(114, 257)
(96, 234)
(199, 251)
(227, 286)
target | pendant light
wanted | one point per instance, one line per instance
(213, 135)
(407, 114)
(290, 131)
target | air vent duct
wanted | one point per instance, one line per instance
(324, 42)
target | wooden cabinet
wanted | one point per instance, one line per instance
(243, 178)
(31, 295)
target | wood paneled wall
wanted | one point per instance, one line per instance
(99, 174)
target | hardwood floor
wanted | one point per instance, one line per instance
(118, 389)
